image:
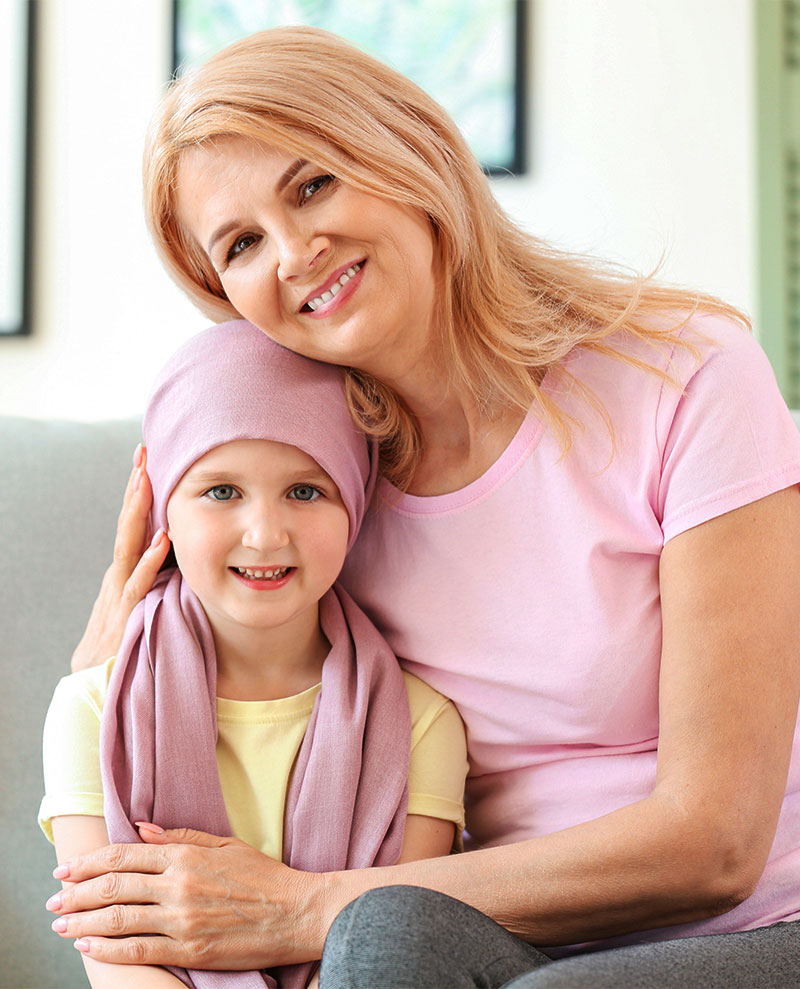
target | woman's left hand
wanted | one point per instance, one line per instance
(210, 902)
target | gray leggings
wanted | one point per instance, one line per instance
(403, 936)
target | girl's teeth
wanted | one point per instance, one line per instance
(263, 574)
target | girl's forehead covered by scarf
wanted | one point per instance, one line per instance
(231, 382)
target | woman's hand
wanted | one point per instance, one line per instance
(211, 903)
(130, 576)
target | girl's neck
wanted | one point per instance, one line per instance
(267, 664)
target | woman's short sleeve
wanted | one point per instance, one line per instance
(728, 438)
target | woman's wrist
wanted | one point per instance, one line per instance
(330, 893)
(327, 897)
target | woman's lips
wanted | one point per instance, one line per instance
(335, 292)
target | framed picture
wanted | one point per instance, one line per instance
(470, 55)
(17, 19)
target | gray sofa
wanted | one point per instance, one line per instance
(59, 499)
(61, 489)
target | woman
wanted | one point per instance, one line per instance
(588, 535)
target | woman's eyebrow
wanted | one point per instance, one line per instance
(281, 184)
(290, 173)
(219, 233)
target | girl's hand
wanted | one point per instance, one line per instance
(131, 574)
(209, 902)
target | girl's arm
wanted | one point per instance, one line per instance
(695, 847)
(74, 836)
(426, 838)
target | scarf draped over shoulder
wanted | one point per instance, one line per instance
(348, 794)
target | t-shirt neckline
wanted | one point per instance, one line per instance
(521, 445)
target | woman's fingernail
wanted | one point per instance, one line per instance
(137, 456)
(54, 903)
(137, 481)
(157, 537)
(82, 944)
(147, 826)
(61, 872)
(60, 925)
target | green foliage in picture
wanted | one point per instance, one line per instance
(465, 53)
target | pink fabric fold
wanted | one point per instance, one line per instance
(348, 794)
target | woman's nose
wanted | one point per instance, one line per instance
(299, 251)
(265, 530)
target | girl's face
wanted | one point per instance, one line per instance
(328, 271)
(260, 533)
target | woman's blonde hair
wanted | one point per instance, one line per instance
(511, 307)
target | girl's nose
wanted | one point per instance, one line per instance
(265, 530)
(299, 251)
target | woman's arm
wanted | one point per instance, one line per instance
(74, 836)
(695, 847)
(130, 576)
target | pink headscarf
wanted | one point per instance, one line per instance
(231, 382)
(348, 794)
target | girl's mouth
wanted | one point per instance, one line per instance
(312, 305)
(272, 578)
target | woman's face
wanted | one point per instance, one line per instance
(328, 271)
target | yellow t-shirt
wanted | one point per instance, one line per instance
(254, 786)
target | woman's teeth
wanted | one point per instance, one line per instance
(337, 286)
(263, 574)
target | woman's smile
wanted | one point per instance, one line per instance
(335, 292)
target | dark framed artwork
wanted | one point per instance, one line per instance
(17, 29)
(470, 55)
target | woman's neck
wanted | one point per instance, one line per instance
(460, 440)
(267, 664)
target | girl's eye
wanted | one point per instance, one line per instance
(222, 492)
(312, 187)
(240, 245)
(305, 492)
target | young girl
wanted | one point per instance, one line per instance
(250, 696)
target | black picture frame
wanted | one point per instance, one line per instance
(16, 247)
(511, 162)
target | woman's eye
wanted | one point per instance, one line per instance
(305, 492)
(240, 245)
(311, 188)
(222, 492)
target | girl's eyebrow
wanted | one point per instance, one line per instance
(317, 475)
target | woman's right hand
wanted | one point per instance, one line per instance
(131, 574)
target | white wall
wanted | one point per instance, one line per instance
(641, 134)
(643, 137)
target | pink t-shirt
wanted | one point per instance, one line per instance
(531, 596)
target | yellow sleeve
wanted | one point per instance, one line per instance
(438, 766)
(71, 747)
